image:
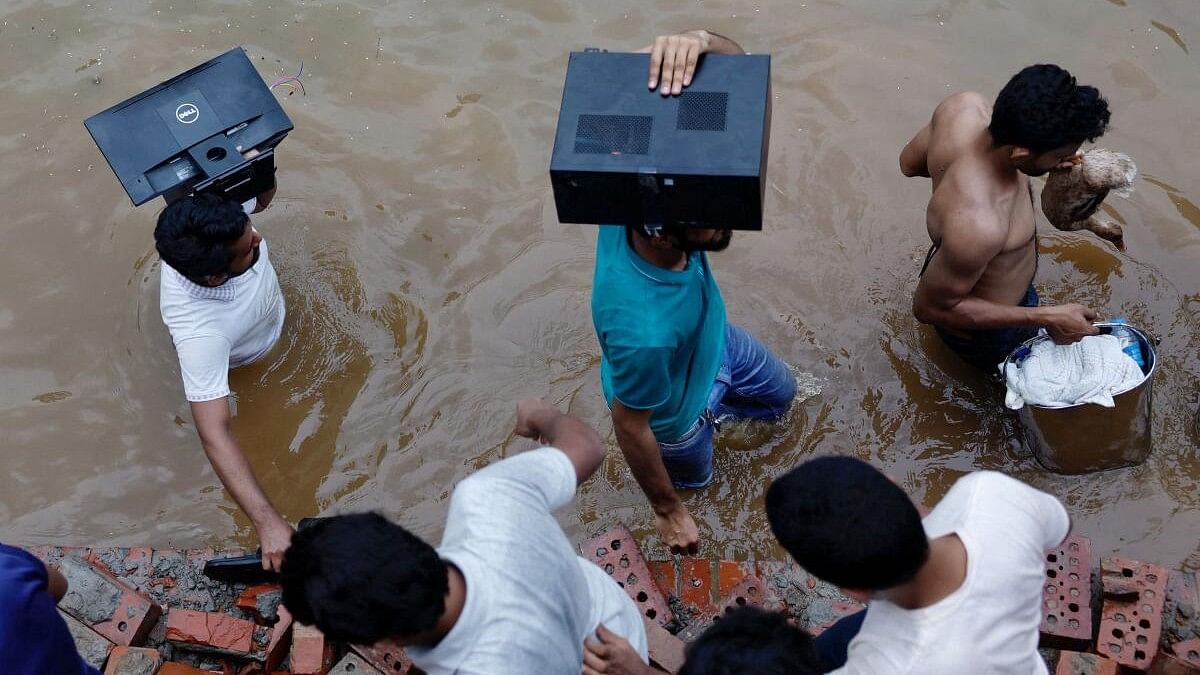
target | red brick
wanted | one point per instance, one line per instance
(730, 574)
(1188, 652)
(281, 640)
(311, 653)
(93, 647)
(1130, 627)
(665, 575)
(1067, 596)
(696, 587)
(353, 664)
(750, 591)
(618, 554)
(1166, 664)
(173, 668)
(133, 661)
(210, 632)
(1075, 663)
(248, 600)
(108, 605)
(386, 656)
(666, 650)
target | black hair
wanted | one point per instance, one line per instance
(194, 234)
(1042, 108)
(360, 578)
(847, 523)
(752, 640)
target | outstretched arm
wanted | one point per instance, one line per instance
(228, 460)
(674, 58)
(543, 422)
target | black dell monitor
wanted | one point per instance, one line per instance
(626, 154)
(183, 135)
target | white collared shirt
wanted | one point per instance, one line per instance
(221, 327)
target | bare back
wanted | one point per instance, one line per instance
(980, 213)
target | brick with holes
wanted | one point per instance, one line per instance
(386, 656)
(1067, 596)
(1131, 621)
(697, 591)
(618, 554)
(353, 664)
(1076, 663)
(750, 591)
(106, 604)
(1188, 653)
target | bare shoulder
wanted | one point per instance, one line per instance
(965, 102)
(970, 226)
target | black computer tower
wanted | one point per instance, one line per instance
(625, 154)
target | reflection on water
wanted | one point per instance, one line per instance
(429, 286)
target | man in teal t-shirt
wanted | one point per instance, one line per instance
(671, 365)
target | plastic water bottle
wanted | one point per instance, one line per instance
(1129, 342)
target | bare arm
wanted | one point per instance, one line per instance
(56, 584)
(228, 460)
(675, 525)
(538, 420)
(943, 295)
(676, 57)
(914, 159)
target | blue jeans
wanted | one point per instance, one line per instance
(833, 644)
(752, 383)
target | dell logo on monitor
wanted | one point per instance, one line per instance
(187, 113)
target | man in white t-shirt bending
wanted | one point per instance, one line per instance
(504, 593)
(958, 592)
(220, 300)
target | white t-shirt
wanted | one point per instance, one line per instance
(221, 327)
(990, 624)
(531, 600)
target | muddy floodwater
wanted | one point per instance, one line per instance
(429, 285)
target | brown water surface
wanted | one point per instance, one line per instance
(429, 285)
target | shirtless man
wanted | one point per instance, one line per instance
(976, 287)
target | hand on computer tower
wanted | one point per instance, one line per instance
(674, 58)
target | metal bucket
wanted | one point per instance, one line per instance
(1087, 437)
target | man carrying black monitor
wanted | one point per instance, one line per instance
(222, 304)
(671, 365)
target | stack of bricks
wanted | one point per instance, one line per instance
(138, 611)
(141, 611)
(699, 591)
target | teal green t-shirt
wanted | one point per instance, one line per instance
(661, 332)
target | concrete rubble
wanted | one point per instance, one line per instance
(141, 611)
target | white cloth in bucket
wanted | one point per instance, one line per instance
(1089, 371)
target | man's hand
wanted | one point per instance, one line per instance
(612, 655)
(1075, 159)
(1069, 323)
(527, 412)
(274, 538)
(674, 57)
(677, 529)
